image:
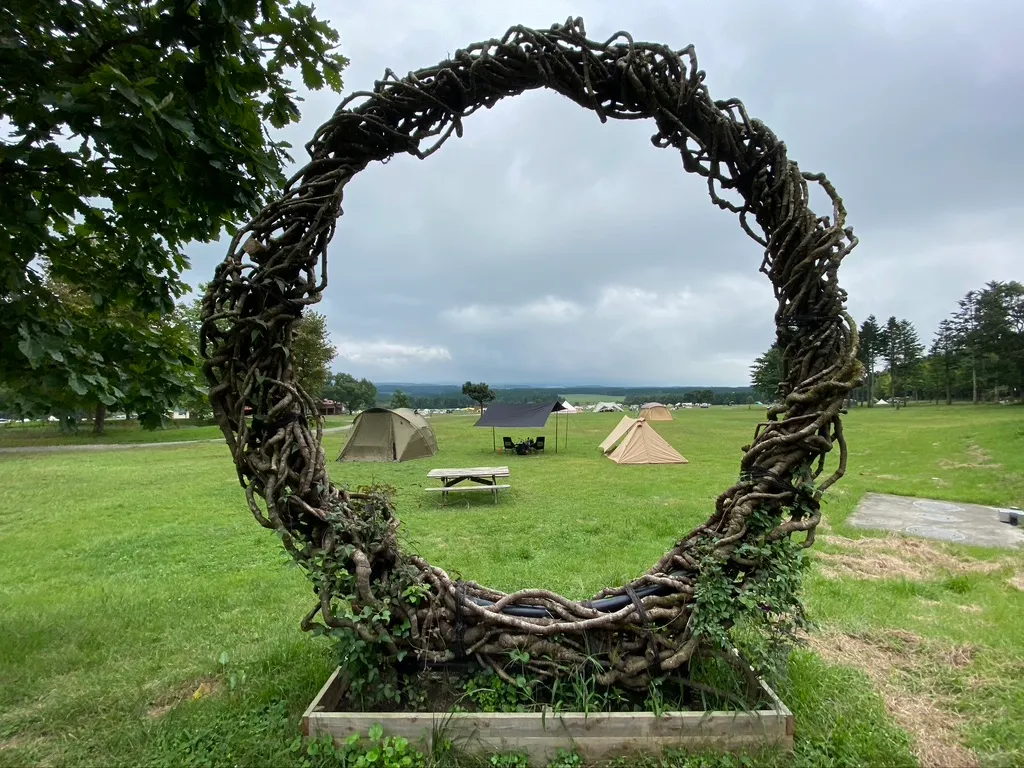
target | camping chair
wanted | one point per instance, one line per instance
(538, 444)
(507, 444)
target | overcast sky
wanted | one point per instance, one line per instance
(546, 248)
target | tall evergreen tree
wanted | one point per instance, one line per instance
(901, 349)
(870, 351)
(999, 310)
(943, 352)
(966, 336)
(911, 355)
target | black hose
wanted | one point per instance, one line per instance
(604, 604)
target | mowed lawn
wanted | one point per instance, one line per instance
(127, 577)
(39, 434)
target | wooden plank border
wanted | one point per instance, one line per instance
(596, 737)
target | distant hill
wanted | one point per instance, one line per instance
(450, 395)
(387, 387)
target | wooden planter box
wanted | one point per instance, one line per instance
(596, 737)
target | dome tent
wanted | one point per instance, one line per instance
(655, 412)
(385, 434)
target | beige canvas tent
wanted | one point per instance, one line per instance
(616, 434)
(607, 407)
(638, 443)
(655, 412)
(383, 434)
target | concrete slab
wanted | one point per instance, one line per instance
(944, 520)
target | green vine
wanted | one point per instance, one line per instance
(371, 628)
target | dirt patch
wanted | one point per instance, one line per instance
(156, 712)
(191, 690)
(878, 566)
(971, 608)
(895, 557)
(978, 454)
(1017, 581)
(948, 464)
(959, 656)
(979, 458)
(12, 743)
(888, 657)
(24, 742)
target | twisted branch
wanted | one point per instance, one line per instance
(277, 265)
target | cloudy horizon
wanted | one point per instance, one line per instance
(544, 247)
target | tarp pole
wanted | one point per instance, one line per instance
(556, 431)
(494, 446)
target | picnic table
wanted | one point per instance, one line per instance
(480, 479)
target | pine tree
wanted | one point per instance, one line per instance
(944, 351)
(901, 348)
(870, 350)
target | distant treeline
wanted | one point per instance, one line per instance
(712, 395)
(976, 354)
(438, 396)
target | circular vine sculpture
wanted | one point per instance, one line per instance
(737, 564)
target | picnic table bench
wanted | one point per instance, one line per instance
(483, 479)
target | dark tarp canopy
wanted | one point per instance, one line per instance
(521, 416)
(518, 414)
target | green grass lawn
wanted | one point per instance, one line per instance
(126, 576)
(37, 434)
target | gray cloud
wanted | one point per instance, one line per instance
(546, 247)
